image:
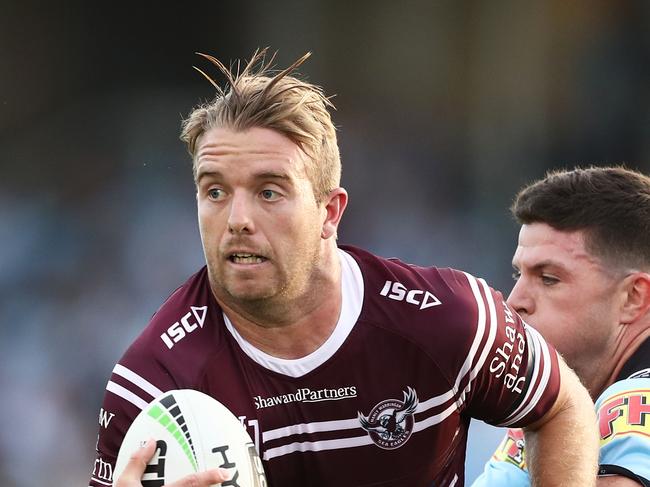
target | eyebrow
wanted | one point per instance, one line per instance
(542, 265)
(208, 174)
(265, 175)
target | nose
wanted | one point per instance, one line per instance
(521, 300)
(240, 216)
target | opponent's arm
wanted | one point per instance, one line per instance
(138, 462)
(562, 447)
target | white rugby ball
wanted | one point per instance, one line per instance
(194, 432)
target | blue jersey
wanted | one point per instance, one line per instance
(623, 411)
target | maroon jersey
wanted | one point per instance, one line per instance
(386, 400)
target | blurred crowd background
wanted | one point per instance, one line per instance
(445, 108)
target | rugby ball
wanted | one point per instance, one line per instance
(193, 432)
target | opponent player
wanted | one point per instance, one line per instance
(583, 280)
(347, 369)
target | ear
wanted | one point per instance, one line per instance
(334, 206)
(637, 302)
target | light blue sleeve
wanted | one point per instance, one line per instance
(624, 423)
(502, 474)
(507, 467)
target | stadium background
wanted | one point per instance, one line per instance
(445, 109)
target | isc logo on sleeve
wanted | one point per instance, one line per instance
(190, 321)
(399, 292)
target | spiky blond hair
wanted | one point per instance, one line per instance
(258, 96)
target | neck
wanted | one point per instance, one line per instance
(292, 328)
(628, 340)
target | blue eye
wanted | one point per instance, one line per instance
(214, 193)
(269, 194)
(549, 280)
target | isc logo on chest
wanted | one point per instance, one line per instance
(185, 325)
(399, 292)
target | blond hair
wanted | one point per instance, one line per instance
(260, 97)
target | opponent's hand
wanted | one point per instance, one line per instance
(138, 462)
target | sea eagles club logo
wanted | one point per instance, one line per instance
(390, 423)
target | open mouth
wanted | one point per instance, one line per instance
(243, 258)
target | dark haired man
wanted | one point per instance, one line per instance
(582, 271)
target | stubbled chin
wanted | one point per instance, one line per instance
(247, 283)
(248, 293)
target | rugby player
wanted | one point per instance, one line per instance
(582, 271)
(347, 368)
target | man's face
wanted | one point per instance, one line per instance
(259, 220)
(567, 294)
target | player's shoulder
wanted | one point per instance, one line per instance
(378, 271)
(180, 343)
(621, 409)
(440, 308)
(186, 324)
(624, 431)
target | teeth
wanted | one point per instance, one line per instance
(246, 259)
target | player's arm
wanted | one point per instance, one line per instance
(562, 447)
(136, 380)
(135, 470)
(519, 381)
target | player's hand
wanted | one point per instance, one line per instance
(138, 462)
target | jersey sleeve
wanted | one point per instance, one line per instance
(507, 466)
(623, 412)
(137, 379)
(507, 374)
(170, 353)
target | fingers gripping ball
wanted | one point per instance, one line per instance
(194, 432)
